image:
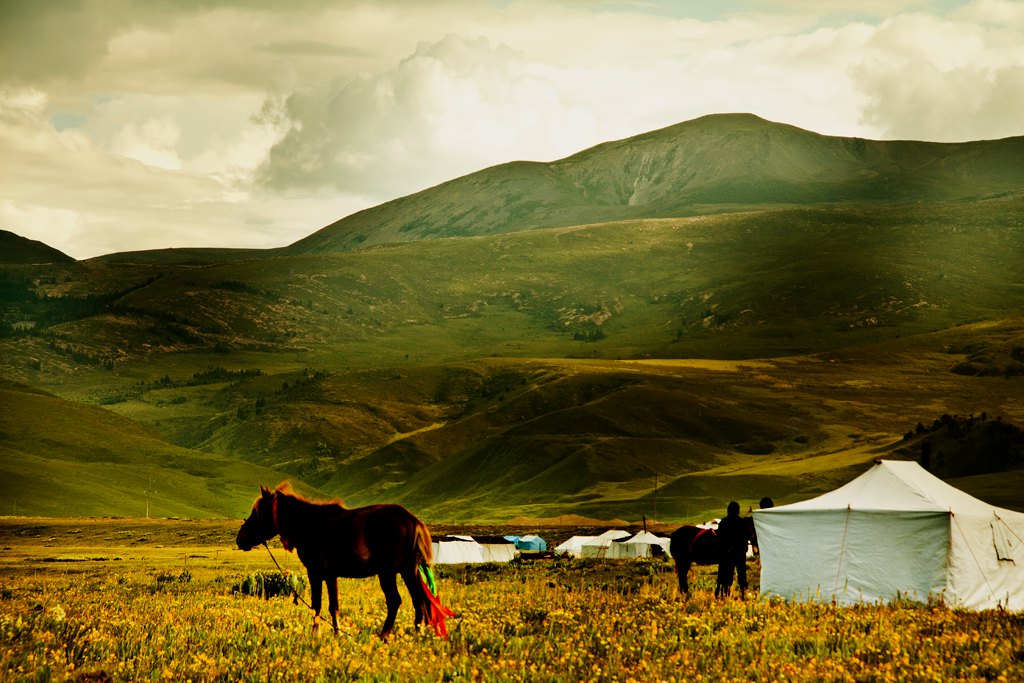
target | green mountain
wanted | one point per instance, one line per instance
(717, 163)
(727, 308)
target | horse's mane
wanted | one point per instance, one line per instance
(285, 488)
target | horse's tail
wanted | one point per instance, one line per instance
(433, 611)
(424, 545)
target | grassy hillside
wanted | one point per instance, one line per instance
(708, 165)
(61, 458)
(597, 437)
(733, 286)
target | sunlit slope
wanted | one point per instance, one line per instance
(493, 438)
(716, 163)
(599, 437)
(62, 458)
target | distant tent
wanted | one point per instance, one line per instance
(644, 544)
(598, 546)
(894, 531)
(497, 548)
(531, 542)
(457, 550)
(573, 546)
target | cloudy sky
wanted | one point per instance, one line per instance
(140, 124)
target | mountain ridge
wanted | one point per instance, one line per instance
(713, 164)
(15, 249)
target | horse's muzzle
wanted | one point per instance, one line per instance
(244, 543)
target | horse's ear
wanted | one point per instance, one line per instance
(264, 491)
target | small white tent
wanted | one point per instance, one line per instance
(644, 544)
(598, 546)
(894, 531)
(573, 546)
(497, 548)
(457, 550)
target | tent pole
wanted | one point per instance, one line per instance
(842, 553)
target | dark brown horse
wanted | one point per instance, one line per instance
(694, 545)
(332, 542)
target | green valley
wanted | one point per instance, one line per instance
(728, 308)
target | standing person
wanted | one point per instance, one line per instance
(733, 534)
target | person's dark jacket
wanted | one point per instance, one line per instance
(733, 536)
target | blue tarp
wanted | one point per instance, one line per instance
(531, 542)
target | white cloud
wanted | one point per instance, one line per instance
(154, 143)
(109, 202)
(449, 108)
(932, 78)
(168, 113)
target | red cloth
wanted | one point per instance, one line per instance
(434, 612)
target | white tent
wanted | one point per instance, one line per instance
(894, 531)
(457, 550)
(598, 546)
(573, 546)
(497, 548)
(644, 544)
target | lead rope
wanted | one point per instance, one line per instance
(295, 593)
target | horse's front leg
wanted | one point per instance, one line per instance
(682, 572)
(315, 594)
(332, 601)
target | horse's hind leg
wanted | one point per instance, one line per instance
(332, 601)
(415, 589)
(389, 584)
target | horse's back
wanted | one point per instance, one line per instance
(680, 540)
(697, 544)
(367, 540)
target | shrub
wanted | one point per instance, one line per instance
(268, 585)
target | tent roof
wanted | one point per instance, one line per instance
(892, 485)
(645, 537)
(493, 540)
(455, 538)
(576, 542)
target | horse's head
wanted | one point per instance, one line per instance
(259, 526)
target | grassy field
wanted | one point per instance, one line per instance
(120, 600)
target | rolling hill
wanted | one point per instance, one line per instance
(726, 308)
(65, 459)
